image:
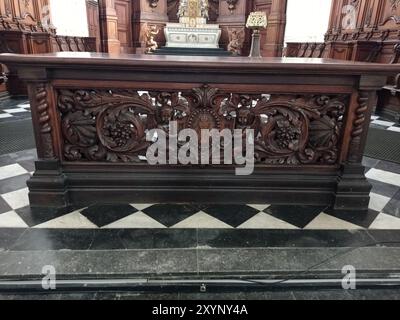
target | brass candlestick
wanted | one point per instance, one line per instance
(256, 22)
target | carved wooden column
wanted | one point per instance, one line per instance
(109, 27)
(276, 29)
(353, 187)
(48, 174)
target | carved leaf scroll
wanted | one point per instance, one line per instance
(111, 125)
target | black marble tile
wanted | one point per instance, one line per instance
(388, 166)
(28, 165)
(385, 238)
(14, 183)
(4, 207)
(378, 126)
(36, 216)
(104, 214)
(54, 239)
(170, 214)
(25, 155)
(362, 220)
(8, 237)
(6, 160)
(384, 189)
(214, 238)
(393, 207)
(22, 115)
(107, 239)
(299, 216)
(263, 261)
(10, 103)
(370, 162)
(158, 238)
(234, 215)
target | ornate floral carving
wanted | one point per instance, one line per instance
(101, 125)
(42, 107)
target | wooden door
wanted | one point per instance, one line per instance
(123, 9)
(92, 8)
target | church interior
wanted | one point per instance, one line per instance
(303, 93)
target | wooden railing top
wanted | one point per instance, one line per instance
(185, 63)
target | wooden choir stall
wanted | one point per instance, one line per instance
(26, 28)
(362, 30)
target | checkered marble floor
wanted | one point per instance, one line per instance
(380, 123)
(16, 168)
(14, 110)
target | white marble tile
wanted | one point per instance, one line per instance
(265, 221)
(383, 123)
(73, 220)
(11, 220)
(11, 170)
(24, 105)
(395, 129)
(15, 110)
(142, 206)
(386, 222)
(327, 222)
(260, 207)
(5, 115)
(17, 199)
(138, 220)
(378, 202)
(384, 176)
(202, 220)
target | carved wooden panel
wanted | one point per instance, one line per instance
(111, 125)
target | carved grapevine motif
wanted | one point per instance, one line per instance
(101, 125)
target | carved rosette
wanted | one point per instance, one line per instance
(45, 131)
(111, 125)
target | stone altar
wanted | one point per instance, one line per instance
(192, 31)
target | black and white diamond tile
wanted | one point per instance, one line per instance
(379, 123)
(12, 111)
(15, 212)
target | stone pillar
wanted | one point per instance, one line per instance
(109, 27)
(273, 46)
